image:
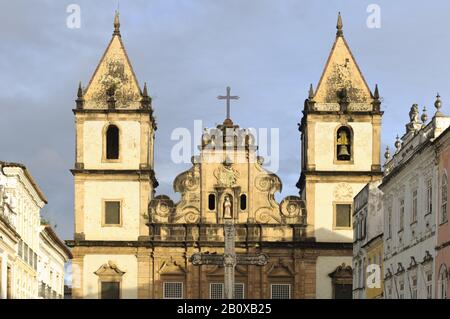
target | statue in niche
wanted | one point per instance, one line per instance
(227, 207)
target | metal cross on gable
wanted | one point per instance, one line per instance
(229, 259)
(228, 97)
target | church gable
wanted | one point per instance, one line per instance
(114, 78)
(342, 81)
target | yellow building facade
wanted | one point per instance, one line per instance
(129, 243)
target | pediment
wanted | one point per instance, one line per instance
(109, 269)
(280, 268)
(171, 267)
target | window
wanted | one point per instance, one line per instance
(389, 222)
(280, 291)
(25, 253)
(20, 248)
(216, 291)
(363, 227)
(343, 144)
(414, 207)
(112, 142)
(112, 213)
(173, 290)
(429, 201)
(443, 282)
(429, 284)
(243, 202)
(401, 293)
(239, 291)
(110, 290)
(402, 215)
(342, 216)
(211, 202)
(444, 199)
(414, 287)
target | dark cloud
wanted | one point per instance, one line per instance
(188, 52)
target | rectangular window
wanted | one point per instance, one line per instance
(343, 216)
(401, 293)
(217, 291)
(20, 248)
(389, 223)
(25, 253)
(414, 287)
(429, 201)
(444, 199)
(402, 214)
(429, 284)
(110, 290)
(112, 213)
(414, 207)
(280, 291)
(173, 290)
(239, 291)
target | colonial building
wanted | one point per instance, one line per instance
(52, 257)
(129, 243)
(21, 203)
(411, 203)
(368, 243)
(442, 264)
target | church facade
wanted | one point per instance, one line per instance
(129, 243)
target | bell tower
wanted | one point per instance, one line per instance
(340, 135)
(113, 176)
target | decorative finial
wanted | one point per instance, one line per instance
(145, 90)
(116, 23)
(339, 26)
(398, 144)
(387, 154)
(438, 105)
(80, 91)
(376, 94)
(311, 92)
(146, 100)
(80, 99)
(424, 116)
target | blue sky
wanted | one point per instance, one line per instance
(188, 51)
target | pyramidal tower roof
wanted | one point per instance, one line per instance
(113, 78)
(342, 74)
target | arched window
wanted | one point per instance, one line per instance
(343, 144)
(112, 142)
(444, 190)
(211, 202)
(243, 202)
(443, 279)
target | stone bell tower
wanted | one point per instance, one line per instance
(114, 178)
(340, 136)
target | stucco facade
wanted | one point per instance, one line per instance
(442, 263)
(410, 187)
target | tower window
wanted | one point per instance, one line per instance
(343, 144)
(112, 142)
(243, 202)
(211, 202)
(342, 216)
(112, 212)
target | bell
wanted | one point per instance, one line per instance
(343, 152)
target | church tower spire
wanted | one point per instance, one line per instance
(340, 135)
(114, 178)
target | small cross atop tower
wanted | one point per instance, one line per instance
(228, 97)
